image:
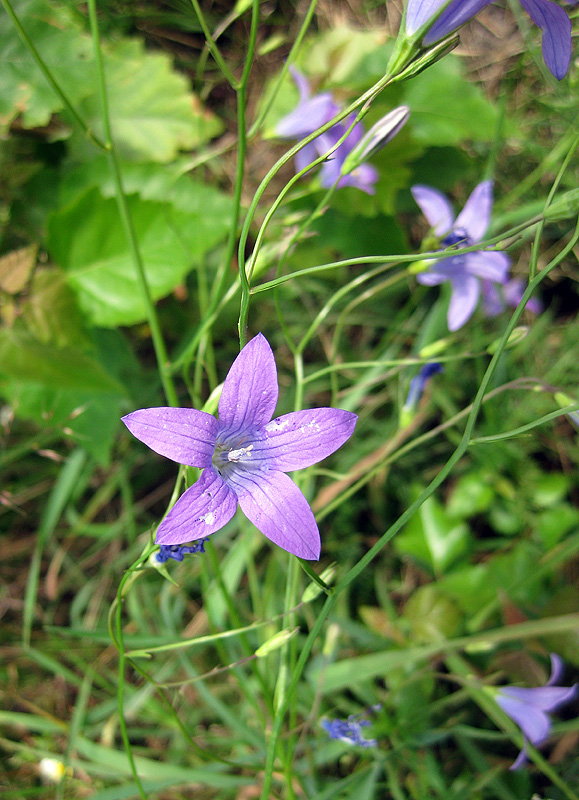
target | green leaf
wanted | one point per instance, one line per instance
(24, 358)
(433, 537)
(446, 108)
(91, 419)
(87, 240)
(471, 495)
(153, 113)
(554, 523)
(66, 51)
(432, 616)
(550, 488)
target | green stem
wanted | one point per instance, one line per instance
(50, 78)
(127, 222)
(215, 52)
(242, 145)
(389, 534)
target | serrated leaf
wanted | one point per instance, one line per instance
(153, 113)
(66, 51)
(87, 240)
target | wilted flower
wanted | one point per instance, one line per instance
(529, 708)
(464, 272)
(496, 299)
(448, 16)
(244, 456)
(350, 730)
(177, 551)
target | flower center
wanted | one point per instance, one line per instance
(235, 456)
(457, 236)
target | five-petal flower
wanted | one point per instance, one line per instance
(244, 456)
(530, 708)
(464, 272)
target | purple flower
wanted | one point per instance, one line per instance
(548, 16)
(418, 384)
(350, 730)
(496, 299)
(464, 272)
(244, 456)
(530, 708)
(309, 115)
(178, 551)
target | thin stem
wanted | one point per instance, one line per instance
(215, 52)
(242, 145)
(50, 78)
(127, 222)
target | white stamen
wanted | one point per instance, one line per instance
(237, 455)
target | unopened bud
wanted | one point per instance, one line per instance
(564, 207)
(314, 589)
(276, 642)
(427, 59)
(379, 134)
(517, 335)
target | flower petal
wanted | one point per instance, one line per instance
(556, 27)
(557, 665)
(445, 269)
(454, 15)
(184, 435)
(435, 208)
(250, 390)
(492, 265)
(307, 117)
(418, 12)
(465, 292)
(204, 508)
(302, 438)
(533, 722)
(545, 698)
(279, 510)
(475, 217)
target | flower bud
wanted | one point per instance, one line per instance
(276, 642)
(313, 589)
(564, 207)
(379, 134)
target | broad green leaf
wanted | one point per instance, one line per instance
(87, 240)
(153, 114)
(433, 537)
(550, 488)
(24, 358)
(471, 495)
(152, 110)
(446, 108)
(554, 523)
(51, 313)
(432, 616)
(66, 50)
(90, 419)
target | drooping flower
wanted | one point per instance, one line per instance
(448, 16)
(530, 708)
(416, 389)
(350, 730)
(464, 272)
(244, 456)
(496, 299)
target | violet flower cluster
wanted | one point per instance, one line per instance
(439, 18)
(465, 273)
(244, 456)
(345, 165)
(530, 708)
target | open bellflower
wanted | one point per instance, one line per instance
(529, 708)
(464, 272)
(447, 16)
(244, 456)
(349, 730)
